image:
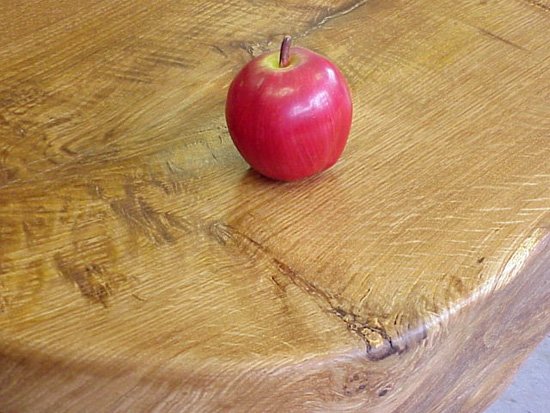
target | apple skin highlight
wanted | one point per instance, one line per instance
(289, 122)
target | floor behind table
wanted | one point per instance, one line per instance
(530, 390)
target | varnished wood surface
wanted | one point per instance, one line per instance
(144, 267)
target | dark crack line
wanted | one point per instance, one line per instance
(230, 237)
(342, 12)
(538, 4)
(226, 234)
(502, 39)
(241, 243)
(265, 46)
(358, 326)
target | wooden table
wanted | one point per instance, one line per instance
(145, 267)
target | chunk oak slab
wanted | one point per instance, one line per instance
(145, 267)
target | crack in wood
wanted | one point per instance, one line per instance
(363, 328)
(230, 237)
(219, 50)
(346, 9)
(254, 49)
(540, 4)
(500, 38)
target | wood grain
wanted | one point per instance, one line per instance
(144, 267)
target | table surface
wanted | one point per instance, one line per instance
(140, 253)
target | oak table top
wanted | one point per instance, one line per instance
(145, 267)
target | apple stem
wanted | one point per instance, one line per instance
(284, 57)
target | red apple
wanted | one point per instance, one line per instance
(289, 114)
